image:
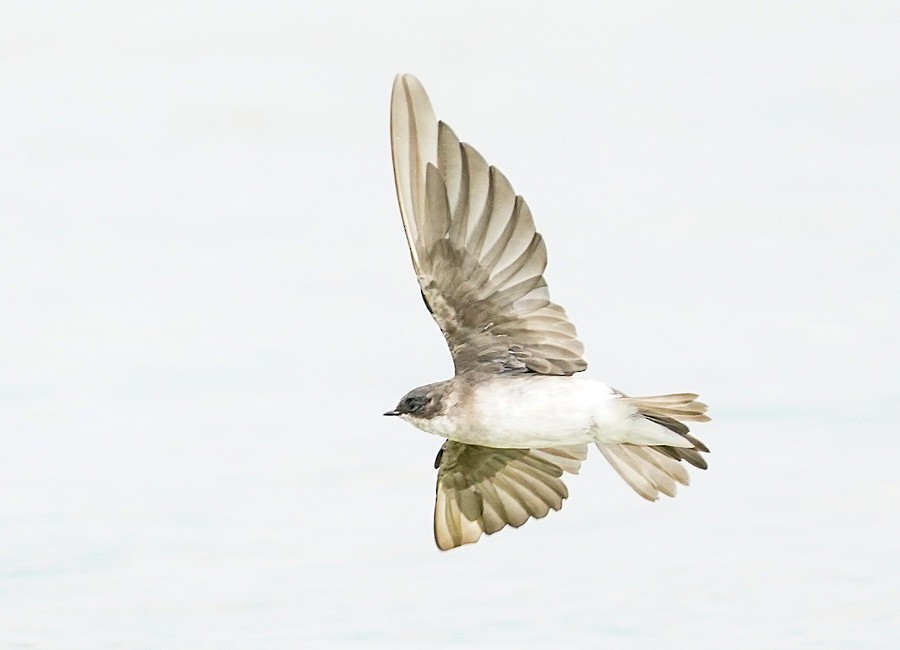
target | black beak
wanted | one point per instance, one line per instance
(394, 412)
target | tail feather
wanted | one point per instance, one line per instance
(644, 469)
(670, 423)
(681, 453)
(679, 407)
(654, 469)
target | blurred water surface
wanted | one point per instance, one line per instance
(206, 302)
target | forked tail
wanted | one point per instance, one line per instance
(651, 469)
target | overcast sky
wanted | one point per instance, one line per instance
(206, 302)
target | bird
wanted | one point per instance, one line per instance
(517, 414)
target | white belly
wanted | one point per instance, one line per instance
(538, 411)
(544, 411)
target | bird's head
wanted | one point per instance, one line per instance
(421, 403)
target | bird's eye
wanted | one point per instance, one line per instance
(416, 404)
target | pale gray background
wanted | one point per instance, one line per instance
(206, 303)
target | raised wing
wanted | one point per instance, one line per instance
(477, 256)
(482, 489)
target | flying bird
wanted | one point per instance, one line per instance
(516, 415)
